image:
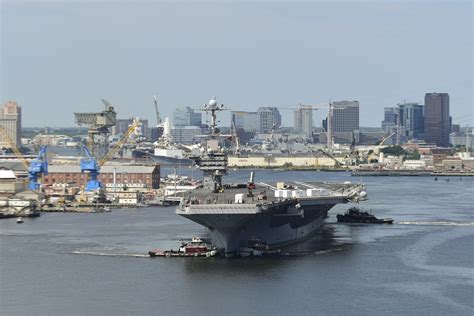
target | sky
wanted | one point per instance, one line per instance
(60, 57)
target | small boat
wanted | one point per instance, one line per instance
(355, 215)
(197, 247)
(19, 220)
(257, 248)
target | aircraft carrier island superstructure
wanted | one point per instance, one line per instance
(273, 213)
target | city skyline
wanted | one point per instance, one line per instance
(185, 53)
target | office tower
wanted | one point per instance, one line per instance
(269, 117)
(437, 120)
(390, 119)
(345, 116)
(185, 116)
(412, 120)
(303, 121)
(10, 121)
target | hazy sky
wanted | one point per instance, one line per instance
(63, 56)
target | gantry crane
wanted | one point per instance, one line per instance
(90, 165)
(99, 124)
(38, 167)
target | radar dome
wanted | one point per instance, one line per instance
(212, 103)
(363, 194)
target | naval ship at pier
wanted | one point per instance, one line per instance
(276, 214)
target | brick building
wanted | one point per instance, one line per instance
(149, 175)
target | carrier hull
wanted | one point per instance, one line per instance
(276, 222)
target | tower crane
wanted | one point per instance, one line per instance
(90, 165)
(38, 167)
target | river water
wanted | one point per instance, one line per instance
(94, 264)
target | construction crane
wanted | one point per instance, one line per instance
(160, 125)
(90, 165)
(385, 138)
(155, 102)
(15, 149)
(131, 129)
(235, 138)
(38, 167)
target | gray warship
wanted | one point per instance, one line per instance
(275, 214)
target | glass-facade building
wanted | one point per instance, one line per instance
(412, 120)
(345, 118)
(437, 120)
(185, 116)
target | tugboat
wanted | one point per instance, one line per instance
(197, 247)
(257, 248)
(355, 215)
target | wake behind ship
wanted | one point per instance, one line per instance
(274, 213)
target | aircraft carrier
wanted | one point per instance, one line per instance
(276, 214)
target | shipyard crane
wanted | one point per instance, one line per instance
(90, 165)
(386, 138)
(380, 145)
(236, 139)
(155, 103)
(99, 127)
(15, 149)
(160, 126)
(131, 129)
(38, 167)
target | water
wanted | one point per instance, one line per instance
(61, 264)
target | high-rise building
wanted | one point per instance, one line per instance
(412, 120)
(248, 121)
(303, 121)
(437, 120)
(269, 117)
(10, 121)
(185, 116)
(390, 119)
(186, 134)
(345, 117)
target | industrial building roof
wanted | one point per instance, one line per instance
(7, 174)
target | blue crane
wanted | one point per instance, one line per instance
(89, 164)
(36, 168)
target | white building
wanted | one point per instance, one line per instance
(10, 121)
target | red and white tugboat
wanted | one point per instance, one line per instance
(197, 247)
